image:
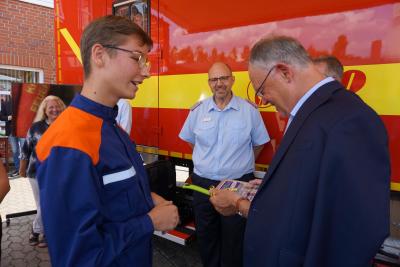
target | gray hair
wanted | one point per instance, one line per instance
(279, 49)
(334, 67)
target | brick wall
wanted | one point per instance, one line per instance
(27, 37)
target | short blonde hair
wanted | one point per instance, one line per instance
(41, 113)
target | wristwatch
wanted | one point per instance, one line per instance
(237, 204)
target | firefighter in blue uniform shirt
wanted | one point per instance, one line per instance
(95, 197)
(227, 133)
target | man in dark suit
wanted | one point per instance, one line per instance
(324, 200)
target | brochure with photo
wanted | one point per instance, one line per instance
(244, 189)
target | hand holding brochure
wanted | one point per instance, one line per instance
(244, 189)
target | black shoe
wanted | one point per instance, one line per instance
(12, 173)
(16, 174)
(34, 239)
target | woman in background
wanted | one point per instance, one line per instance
(50, 108)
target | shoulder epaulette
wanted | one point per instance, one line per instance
(196, 105)
(252, 103)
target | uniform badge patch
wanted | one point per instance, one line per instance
(196, 105)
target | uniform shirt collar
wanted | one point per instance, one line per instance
(233, 104)
(95, 108)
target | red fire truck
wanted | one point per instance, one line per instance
(188, 35)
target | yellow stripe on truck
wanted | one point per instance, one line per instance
(182, 91)
(71, 42)
(395, 186)
(147, 95)
(381, 90)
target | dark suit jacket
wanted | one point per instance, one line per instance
(324, 200)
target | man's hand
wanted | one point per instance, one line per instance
(255, 182)
(164, 216)
(22, 173)
(157, 199)
(23, 164)
(4, 182)
(224, 201)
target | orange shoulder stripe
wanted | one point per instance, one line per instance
(75, 129)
